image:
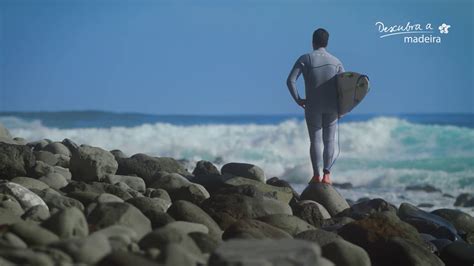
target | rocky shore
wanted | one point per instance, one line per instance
(67, 204)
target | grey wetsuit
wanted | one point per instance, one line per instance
(318, 68)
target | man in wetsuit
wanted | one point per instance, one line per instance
(320, 106)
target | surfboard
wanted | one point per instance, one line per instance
(351, 90)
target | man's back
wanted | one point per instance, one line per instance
(319, 69)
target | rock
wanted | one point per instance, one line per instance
(146, 166)
(106, 197)
(54, 180)
(169, 181)
(20, 141)
(119, 258)
(38, 145)
(327, 196)
(133, 182)
(56, 201)
(425, 205)
(226, 209)
(255, 229)
(440, 244)
(15, 160)
(192, 192)
(275, 181)
(283, 194)
(289, 223)
(158, 219)
(463, 200)
(311, 212)
(319, 236)
(427, 223)
(62, 160)
(425, 188)
(68, 223)
(92, 164)
(57, 148)
(373, 232)
(57, 256)
(267, 252)
(98, 188)
(336, 223)
(157, 193)
(364, 208)
(64, 172)
(162, 237)
(344, 253)
(246, 170)
(24, 196)
(187, 227)
(25, 257)
(186, 211)
(118, 154)
(145, 204)
(46, 157)
(345, 185)
(205, 168)
(29, 183)
(33, 234)
(458, 253)
(212, 182)
(87, 250)
(205, 242)
(398, 251)
(41, 169)
(115, 213)
(461, 220)
(71, 145)
(176, 254)
(120, 237)
(11, 241)
(38, 214)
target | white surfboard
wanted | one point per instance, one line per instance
(351, 90)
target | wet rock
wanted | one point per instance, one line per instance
(15, 160)
(427, 223)
(115, 213)
(57, 148)
(146, 166)
(246, 170)
(465, 200)
(68, 223)
(186, 211)
(311, 212)
(461, 220)
(458, 253)
(425, 188)
(289, 223)
(226, 209)
(205, 168)
(267, 252)
(254, 229)
(92, 164)
(327, 196)
(425, 205)
(33, 234)
(344, 253)
(63, 160)
(133, 182)
(319, 236)
(284, 194)
(22, 195)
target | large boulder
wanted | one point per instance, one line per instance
(92, 164)
(284, 194)
(364, 208)
(427, 223)
(248, 252)
(225, 209)
(458, 253)
(250, 228)
(310, 211)
(24, 196)
(146, 166)
(289, 223)
(57, 148)
(68, 223)
(461, 220)
(15, 160)
(246, 170)
(186, 211)
(327, 196)
(400, 251)
(116, 213)
(344, 253)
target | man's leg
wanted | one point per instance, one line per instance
(314, 124)
(329, 137)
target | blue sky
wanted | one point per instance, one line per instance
(224, 57)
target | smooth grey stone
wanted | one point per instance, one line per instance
(267, 252)
(106, 197)
(15, 160)
(88, 250)
(364, 208)
(71, 145)
(157, 193)
(398, 251)
(120, 258)
(54, 180)
(169, 181)
(246, 170)
(327, 196)
(145, 204)
(41, 169)
(30, 183)
(187, 227)
(176, 254)
(57, 202)
(118, 154)
(204, 168)
(24, 196)
(158, 219)
(62, 160)
(46, 157)
(133, 182)
(116, 213)
(57, 148)
(205, 242)
(289, 223)
(344, 253)
(11, 241)
(461, 220)
(319, 236)
(192, 192)
(458, 253)
(162, 237)
(255, 229)
(465, 200)
(26, 257)
(284, 194)
(63, 171)
(311, 212)
(33, 234)
(68, 223)
(98, 188)
(92, 164)
(38, 214)
(9, 204)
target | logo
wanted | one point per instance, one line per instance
(414, 32)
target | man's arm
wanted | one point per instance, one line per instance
(291, 81)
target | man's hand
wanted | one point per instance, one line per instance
(302, 103)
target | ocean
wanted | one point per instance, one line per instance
(379, 154)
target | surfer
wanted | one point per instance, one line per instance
(319, 68)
